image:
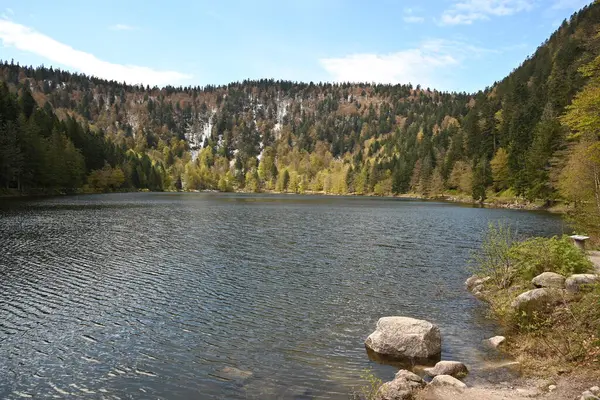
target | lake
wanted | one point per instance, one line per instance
(202, 295)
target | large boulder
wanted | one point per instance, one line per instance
(403, 387)
(549, 280)
(447, 380)
(576, 282)
(536, 300)
(403, 339)
(452, 368)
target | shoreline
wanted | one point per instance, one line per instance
(507, 203)
(550, 346)
(510, 204)
(549, 374)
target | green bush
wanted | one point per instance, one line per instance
(494, 259)
(506, 260)
(368, 391)
(556, 254)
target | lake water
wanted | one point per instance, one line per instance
(152, 295)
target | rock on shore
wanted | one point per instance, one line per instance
(452, 368)
(447, 380)
(403, 387)
(536, 300)
(549, 280)
(496, 341)
(576, 282)
(403, 338)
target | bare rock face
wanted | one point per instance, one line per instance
(496, 341)
(452, 368)
(575, 283)
(549, 280)
(447, 380)
(536, 300)
(403, 338)
(403, 387)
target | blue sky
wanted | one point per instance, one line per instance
(462, 45)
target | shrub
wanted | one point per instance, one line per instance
(370, 387)
(494, 258)
(556, 254)
(504, 259)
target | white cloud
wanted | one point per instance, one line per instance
(27, 39)
(468, 11)
(413, 19)
(122, 27)
(430, 64)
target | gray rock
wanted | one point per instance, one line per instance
(475, 281)
(549, 280)
(587, 395)
(551, 388)
(536, 300)
(595, 390)
(403, 387)
(403, 338)
(576, 282)
(234, 374)
(496, 341)
(478, 288)
(480, 295)
(447, 380)
(452, 368)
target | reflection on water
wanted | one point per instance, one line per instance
(228, 296)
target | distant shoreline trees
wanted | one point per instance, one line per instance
(63, 132)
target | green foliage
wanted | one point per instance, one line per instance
(368, 391)
(335, 138)
(500, 172)
(580, 178)
(40, 153)
(494, 258)
(556, 254)
(505, 259)
(106, 179)
(481, 179)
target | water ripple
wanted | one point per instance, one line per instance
(155, 295)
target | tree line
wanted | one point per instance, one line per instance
(514, 139)
(41, 153)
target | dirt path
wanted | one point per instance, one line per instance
(567, 387)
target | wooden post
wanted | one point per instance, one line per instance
(579, 241)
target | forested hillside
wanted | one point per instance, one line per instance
(61, 131)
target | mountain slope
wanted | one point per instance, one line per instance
(347, 138)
